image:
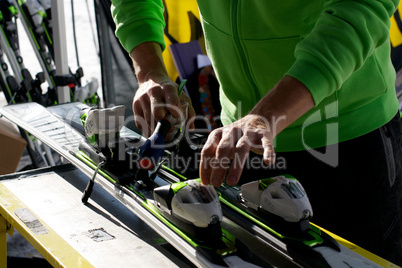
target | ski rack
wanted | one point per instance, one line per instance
(50, 48)
(19, 87)
(9, 41)
(5, 85)
(33, 42)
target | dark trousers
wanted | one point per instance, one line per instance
(359, 198)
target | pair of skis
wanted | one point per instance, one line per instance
(247, 235)
(273, 209)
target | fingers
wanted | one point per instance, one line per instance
(157, 107)
(145, 106)
(153, 100)
(236, 168)
(224, 153)
(269, 155)
(173, 102)
(220, 148)
(150, 101)
(227, 150)
(161, 97)
(139, 118)
(208, 156)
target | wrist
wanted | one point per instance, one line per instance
(148, 63)
(284, 104)
(153, 76)
(270, 122)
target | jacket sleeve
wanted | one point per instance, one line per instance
(344, 36)
(138, 21)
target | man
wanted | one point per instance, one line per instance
(309, 81)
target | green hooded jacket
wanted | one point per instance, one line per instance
(339, 50)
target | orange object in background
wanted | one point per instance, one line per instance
(12, 146)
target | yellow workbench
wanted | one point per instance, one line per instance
(45, 207)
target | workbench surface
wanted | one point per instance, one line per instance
(45, 207)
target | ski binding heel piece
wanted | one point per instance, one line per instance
(283, 196)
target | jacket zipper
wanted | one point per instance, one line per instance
(241, 53)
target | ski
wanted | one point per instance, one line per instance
(11, 88)
(205, 224)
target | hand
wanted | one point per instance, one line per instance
(234, 142)
(152, 101)
(282, 105)
(157, 93)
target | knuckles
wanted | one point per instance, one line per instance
(154, 91)
(223, 149)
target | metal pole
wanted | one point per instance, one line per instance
(60, 47)
(105, 49)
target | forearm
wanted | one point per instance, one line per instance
(285, 103)
(148, 62)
